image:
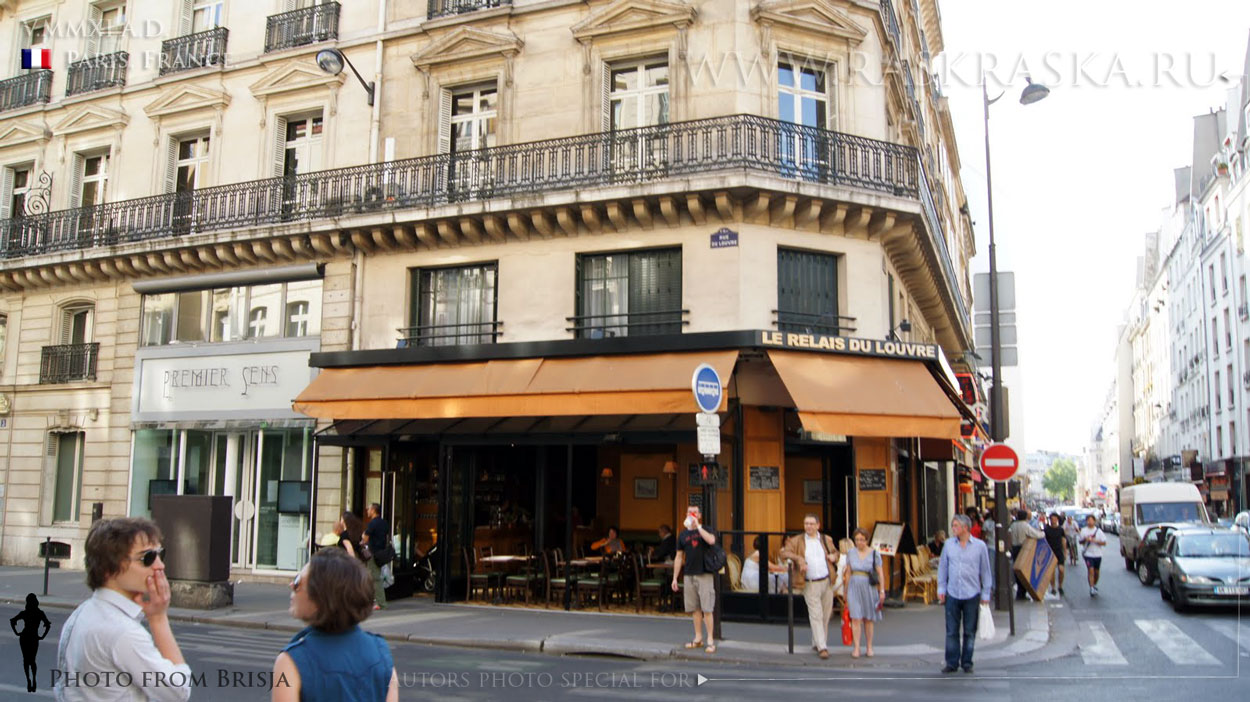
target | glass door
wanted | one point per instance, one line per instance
(234, 471)
(284, 464)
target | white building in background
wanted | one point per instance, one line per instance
(1102, 456)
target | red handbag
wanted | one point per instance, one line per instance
(847, 638)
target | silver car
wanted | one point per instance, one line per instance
(1202, 565)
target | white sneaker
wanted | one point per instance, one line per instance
(1092, 591)
(1095, 589)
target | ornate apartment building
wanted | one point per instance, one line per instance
(483, 272)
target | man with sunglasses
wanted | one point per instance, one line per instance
(105, 653)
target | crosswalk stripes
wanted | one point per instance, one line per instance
(1240, 634)
(1174, 643)
(1103, 650)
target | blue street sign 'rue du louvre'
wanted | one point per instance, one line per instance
(724, 238)
(707, 388)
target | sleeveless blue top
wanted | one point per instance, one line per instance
(354, 666)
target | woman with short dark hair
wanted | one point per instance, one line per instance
(333, 658)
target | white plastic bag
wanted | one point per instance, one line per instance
(388, 578)
(985, 623)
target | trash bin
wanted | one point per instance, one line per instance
(196, 529)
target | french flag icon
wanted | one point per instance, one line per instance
(36, 58)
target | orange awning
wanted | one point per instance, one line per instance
(866, 396)
(528, 387)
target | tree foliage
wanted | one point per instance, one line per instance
(1060, 479)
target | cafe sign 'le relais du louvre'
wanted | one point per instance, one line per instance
(842, 344)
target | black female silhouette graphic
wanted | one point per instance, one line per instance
(29, 637)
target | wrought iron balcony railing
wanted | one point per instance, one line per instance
(938, 238)
(714, 145)
(29, 89)
(207, 48)
(97, 73)
(606, 326)
(891, 24)
(809, 323)
(450, 334)
(67, 363)
(447, 8)
(307, 25)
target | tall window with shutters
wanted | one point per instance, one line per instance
(186, 158)
(807, 292)
(636, 95)
(15, 184)
(64, 466)
(35, 35)
(202, 15)
(298, 146)
(453, 306)
(108, 30)
(90, 181)
(632, 293)
(468, 121)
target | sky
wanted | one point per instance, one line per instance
(1081, 177)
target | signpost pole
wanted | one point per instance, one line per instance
(999, 462)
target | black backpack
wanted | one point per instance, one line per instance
(713, 558)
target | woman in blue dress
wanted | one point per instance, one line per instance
(863, 599)
(333, 659)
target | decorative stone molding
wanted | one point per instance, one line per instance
(185, 98)
(625, 16)
(17, 133)
(467, 44)
(818, 17)
(292, 77)
(89, 117)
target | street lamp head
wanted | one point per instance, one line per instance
(330, 61)
(1033, 92)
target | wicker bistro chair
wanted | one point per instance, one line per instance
(917, 581)
(534, 576)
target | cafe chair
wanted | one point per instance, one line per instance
(527, 581)
(477, 580)
(555, 582)
(646, 585)
(599, 585)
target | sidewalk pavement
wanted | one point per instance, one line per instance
(911, 638)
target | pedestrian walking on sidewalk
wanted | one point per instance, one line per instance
(1072, 532)
(351, 533)
(333, 658)
(1020, 530)
(378, 539)
(964, 582)
(815, 558)
(700, 593)
(103, 638)
(863, 590)
(1058, 543)
(1093, 540)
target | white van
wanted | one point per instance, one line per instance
(1153, 503)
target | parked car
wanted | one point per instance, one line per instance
(1152, 542)
(1111, 523)
(1204, 566)
(1155, 503)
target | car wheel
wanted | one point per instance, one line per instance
(1179, 605)
(1143, 574)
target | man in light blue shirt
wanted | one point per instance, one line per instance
(964, 578)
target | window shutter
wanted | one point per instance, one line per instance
(6, 193)
(186, 20)
(53, 442)
(444, 121)
(606, 97)
(171, 165)
(75, 182)
(92, 47)
(279, 146)
(288, 5)
(67, 326)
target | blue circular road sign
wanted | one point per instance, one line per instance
(708, 391)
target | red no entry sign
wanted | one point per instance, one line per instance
(999, 462)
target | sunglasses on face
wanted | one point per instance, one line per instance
(148, 557)
(296, 584)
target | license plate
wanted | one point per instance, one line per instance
(1232, 590)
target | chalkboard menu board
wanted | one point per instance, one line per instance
(873, 479)
(765, 478)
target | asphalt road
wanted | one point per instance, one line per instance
(1124, 644)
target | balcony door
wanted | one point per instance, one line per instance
(469, 123)
(636, 96)
(298, 151)
(803, 101)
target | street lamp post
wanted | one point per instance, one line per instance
(1033, 92)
